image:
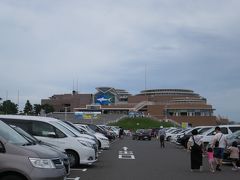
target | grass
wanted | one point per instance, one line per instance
(140, 123)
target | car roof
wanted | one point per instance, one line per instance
(24, 117)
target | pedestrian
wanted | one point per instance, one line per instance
(162, 135)
(195, 147)
(234, 155)
(219, 144)
(121, 132)
(210, 159)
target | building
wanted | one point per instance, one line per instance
(179, 105)
(67, 102)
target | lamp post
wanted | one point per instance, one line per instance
(65, 113)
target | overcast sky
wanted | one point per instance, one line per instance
(46, 45)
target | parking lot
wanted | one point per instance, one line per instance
(149, 162)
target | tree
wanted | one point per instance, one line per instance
(37, 109)
(28, 109)
(8, 107)
(47, 108)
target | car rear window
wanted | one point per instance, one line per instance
(234, 129)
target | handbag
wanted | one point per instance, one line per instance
(217, 142)
(196, 147)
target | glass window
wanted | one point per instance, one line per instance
(11, 135)
(63, 129)
(46, 130)
(234, 129)
(224, 130)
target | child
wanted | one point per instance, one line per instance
(234, 154)
(210, 159)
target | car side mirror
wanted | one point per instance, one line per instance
(2, 147)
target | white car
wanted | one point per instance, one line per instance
(172, 132)
(175, 136)
(103, 140)
(50, 131)
(207, 137)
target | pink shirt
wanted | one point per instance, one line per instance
(210, 155)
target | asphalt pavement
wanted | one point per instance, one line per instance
(129, 159)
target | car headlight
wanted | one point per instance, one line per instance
(42, 163)
(84, 143)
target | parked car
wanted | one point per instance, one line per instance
(207, 136)
(103, 141)
(21, 159)
(171, 132)
(100, 130)
(142, 134)
(49, 130)
(61, 152)
(183, 139)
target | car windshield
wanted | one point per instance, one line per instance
(234, 135)
(11, 135)
(72, 128)
(25, 134)
(201, 131)
(87, 128)
(64, 129)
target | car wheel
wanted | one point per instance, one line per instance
(11, 177)
(149, 139)
(168, 138)
(73, 158)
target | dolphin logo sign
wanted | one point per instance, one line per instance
(102, 99)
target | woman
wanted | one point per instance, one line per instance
(195, 147)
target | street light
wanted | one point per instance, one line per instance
(65, 113)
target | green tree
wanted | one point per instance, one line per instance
(28, 109)
(8, 107)
(47, 108)
(37, 109)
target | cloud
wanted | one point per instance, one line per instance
(45, 45)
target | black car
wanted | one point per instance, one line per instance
(142, 134)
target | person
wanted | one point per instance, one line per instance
(210, 159)
(218, 145)
(162, 135)
(194, 145)
(234, 155)
(121, 131)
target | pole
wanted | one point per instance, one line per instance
(65, 114)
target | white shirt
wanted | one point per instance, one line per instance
(222, 141)
(197, 140)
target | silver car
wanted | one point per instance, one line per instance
(21, 159)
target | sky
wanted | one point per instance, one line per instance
(51, 47)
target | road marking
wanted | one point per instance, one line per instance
(125, 154)
(78, 169)
(76, 178)
(121, 156)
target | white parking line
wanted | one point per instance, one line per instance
(76, 178)
(78, 169)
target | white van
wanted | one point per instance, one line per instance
(207, 136)
(48, 130)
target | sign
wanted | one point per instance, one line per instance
(87, 115)
(184, 125)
